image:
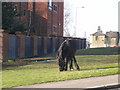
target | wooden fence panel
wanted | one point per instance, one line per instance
(22, 46)
(12, 47)
(40, 46)
(28, 46)
(49, 45)
(57, 44)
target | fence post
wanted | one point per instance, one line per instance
(21, 49)
(34, 44)
(84, 43)
(3, 45)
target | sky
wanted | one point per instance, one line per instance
(87, 15)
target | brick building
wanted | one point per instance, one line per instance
(42, 18)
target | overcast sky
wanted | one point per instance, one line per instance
(87, 15)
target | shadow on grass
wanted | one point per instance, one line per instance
(22, 62)
(99, 68)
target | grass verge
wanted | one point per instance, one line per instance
(99, 51)
(47, 71)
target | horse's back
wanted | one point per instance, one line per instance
(67, 48)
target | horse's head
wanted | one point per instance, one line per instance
(62, 51)
(61, 63)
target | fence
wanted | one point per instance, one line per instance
(22, 46)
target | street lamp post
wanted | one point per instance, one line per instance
(77, 19)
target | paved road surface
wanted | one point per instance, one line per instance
(93, 82)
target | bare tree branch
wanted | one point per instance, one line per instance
(67, 21)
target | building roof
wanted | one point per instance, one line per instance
(98, 33)
(112, 34)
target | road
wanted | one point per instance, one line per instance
(93, 82)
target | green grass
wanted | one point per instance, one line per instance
(99, 51)
(24, 73)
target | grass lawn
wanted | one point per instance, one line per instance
(99, 51)
(24, 73)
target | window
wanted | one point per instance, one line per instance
(54, 29)
(96, 38)
(24, 12)
(15, 8)
(55, 7)
(50, 4)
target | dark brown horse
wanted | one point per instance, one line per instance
(66, 54)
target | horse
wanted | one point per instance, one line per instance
(66, 54)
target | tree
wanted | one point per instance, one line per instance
(67, 21)
(9, 21)
(69, 26)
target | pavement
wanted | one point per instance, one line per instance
(86, 83)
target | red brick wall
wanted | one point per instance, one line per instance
(3, 45)
(61, 18)
(55, 18)
(30, 5)
(35, 50)
(40, 26)
(22, 8)
(46, 19)
(21, 49)
(35, 43)
(42, 19)
(41, 9)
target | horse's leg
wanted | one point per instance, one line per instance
(71, 63)
(66, 64)
(76, 63)
(64, 59)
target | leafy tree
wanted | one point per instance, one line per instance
(9, 21)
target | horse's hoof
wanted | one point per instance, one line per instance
(61, 70)
(71, 69)
(78, 69)
(65, 69)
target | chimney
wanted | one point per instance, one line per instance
(99, 28)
